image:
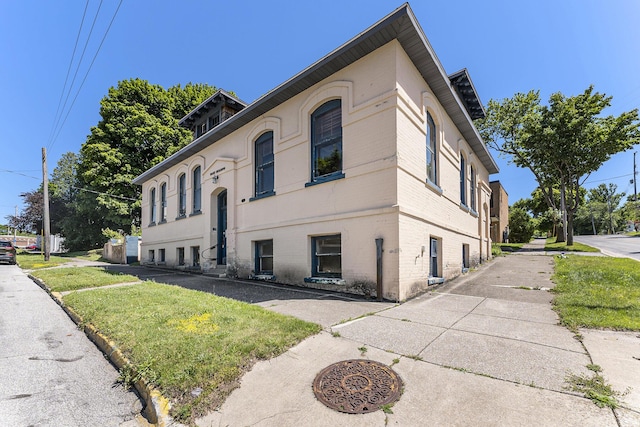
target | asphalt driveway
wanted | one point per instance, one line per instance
(323, 307)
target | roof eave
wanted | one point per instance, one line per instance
(401, 25)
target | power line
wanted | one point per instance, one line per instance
(19, 173)
(76, 188)
(104, 194)
(75, 74)
(66, 79)
(609, 179)
(87, 73)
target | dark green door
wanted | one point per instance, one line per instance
(222, 228)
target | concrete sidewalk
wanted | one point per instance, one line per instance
(483, 350)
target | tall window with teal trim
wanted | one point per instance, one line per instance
(182, 196)
(472, 189)
(326, 140)
(197, 190)
(152, 202)
(463, 181)
(434, 258)
(432, 158)
(264, 164)
(163, 202)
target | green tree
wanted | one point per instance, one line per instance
(630, 211)
(521, 225)
(139, 128)
(62, 192)
(601, 210)
(30, 218)
(560, 143)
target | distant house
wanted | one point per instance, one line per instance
(499, 211)
(364, 169)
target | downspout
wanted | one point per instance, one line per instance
(379, 241)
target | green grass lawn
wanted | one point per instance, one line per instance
(182, 340)
(34, 261)
(598, 292)
(74, 278)
(498, 249)
(551, 245)
(92, 255)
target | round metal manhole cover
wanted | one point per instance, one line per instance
(357, 386)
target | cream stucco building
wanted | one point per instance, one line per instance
(362, 171)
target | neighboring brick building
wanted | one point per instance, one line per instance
(499, 213)
(364, 168)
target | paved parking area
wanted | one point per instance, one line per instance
(323, 307)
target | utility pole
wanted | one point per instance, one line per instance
(45, 190)
(15, 228)
(635, 188)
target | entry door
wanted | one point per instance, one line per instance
(222, 228)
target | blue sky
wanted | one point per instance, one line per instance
(252, 46)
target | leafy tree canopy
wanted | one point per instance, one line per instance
(521, 225)
(139, 128)
(560, 143)
(30, 218)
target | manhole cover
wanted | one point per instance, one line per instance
(357, 386)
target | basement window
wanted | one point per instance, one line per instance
(264, 257)
(327, 256)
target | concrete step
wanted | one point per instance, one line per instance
(217, 272)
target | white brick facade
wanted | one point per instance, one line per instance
(384, 192)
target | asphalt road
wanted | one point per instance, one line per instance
(615, 245)
(50, 373)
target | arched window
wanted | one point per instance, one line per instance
(182, 195)
(152, 204)
(264, 165)
(463, 181)
(197, 191)
(432, 155)
(472, 189)
(163, 202)
(326, 141)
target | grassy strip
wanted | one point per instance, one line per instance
(498, 249)
(74, 278)
(92, 255)
(193, 346)
(34, 261)
(598, 292)
(551, 245)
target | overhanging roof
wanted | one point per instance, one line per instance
(400, 25)
(467, 93)
(219, 96)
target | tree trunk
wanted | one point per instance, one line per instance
(563, 210)
(570, 229)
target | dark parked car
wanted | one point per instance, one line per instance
(7, 252)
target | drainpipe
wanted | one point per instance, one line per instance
(379, 241)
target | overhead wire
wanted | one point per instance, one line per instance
(19, 173)
(75, 74)
(608, 179)
(87, 73)
(104, 194)
(66, 79)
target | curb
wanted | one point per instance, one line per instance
(157, 407)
